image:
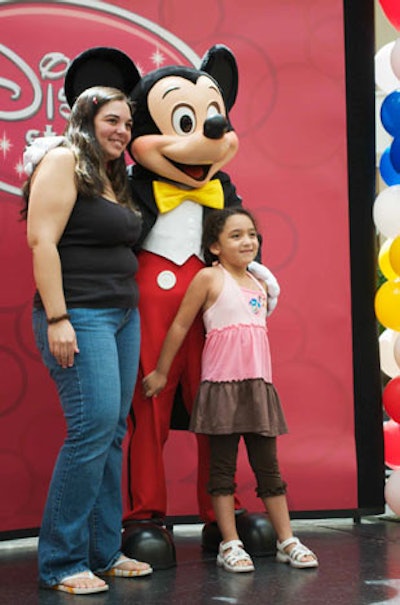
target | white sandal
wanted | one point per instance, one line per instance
(295, 556)
(231, 553)
(64, 585)
(143, 569)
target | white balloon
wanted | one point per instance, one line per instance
(396, 350)
(385, 78)
(392, 492)
(395, 58)
(386, 211)
(386, 353)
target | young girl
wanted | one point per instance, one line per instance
(236, 396)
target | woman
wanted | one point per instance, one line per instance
(81, 228)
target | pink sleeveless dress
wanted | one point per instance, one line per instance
(236, 394)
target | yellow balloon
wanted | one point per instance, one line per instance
(384, 261)
(387, 305)
(394, 255)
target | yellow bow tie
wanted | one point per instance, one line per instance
(169, 196)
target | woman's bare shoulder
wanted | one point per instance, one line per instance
(60, 154)
(57, 164)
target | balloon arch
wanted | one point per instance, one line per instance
(386, 215)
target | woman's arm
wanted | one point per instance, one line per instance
(194, 299)
(52, 197)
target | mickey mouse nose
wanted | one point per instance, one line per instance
(215, 127)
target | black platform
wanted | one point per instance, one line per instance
(359, 565)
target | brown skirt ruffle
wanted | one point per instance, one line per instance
(245, 406)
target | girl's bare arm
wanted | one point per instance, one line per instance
(193, 301)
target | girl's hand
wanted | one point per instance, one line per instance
(153, 383)
(62, 343)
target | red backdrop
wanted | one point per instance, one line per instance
(291, 169)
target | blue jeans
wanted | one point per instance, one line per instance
(81, 526)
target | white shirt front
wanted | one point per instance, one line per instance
(176, 235)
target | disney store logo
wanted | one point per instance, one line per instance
(38, 42)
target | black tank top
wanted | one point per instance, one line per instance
(97, 260)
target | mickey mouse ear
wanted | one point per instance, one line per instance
(100, 66)
(220, 63)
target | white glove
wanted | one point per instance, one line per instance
(36, 150)
(263, 273)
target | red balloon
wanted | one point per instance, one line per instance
(391, 8)
(391, 399)
(391, 439)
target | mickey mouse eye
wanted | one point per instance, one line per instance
(183, 120)
(213, 110)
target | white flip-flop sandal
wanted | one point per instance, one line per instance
(83, 575)
(128, 573)
(231, 554)
(296, 555)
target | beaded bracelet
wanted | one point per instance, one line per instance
(55, 320)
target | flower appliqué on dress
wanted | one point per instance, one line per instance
(256, 304)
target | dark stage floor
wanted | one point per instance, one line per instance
(359, 565)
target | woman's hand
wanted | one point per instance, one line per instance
(153, 383)
(62, 342)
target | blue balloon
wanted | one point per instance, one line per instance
(387, 170)
(395, 154)
(390, 113)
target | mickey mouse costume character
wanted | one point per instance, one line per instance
(181, 138)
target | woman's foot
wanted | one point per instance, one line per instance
(292, 551)
(84, 582)
(125, 567)
(232, 557)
